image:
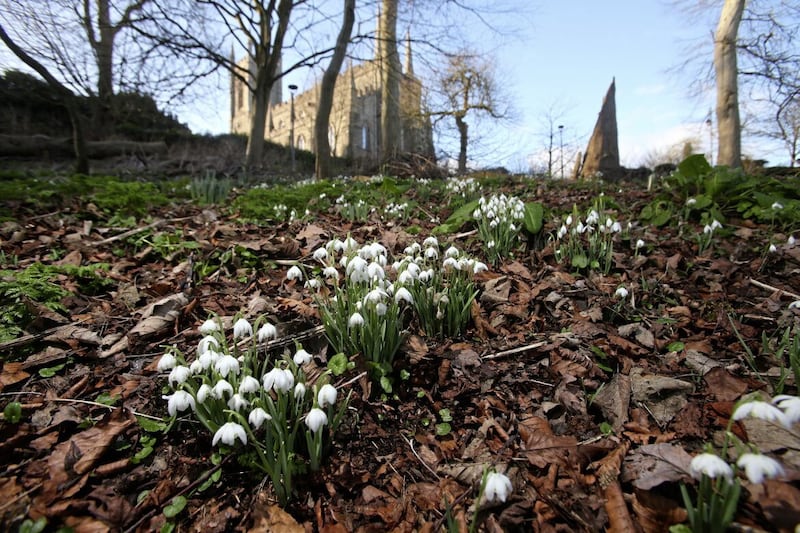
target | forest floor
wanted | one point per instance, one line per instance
(593, 405)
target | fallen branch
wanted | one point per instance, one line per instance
(763, 285)
(512, 351)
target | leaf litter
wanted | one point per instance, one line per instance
(550, 357)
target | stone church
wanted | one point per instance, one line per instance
(354, 130)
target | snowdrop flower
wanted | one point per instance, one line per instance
(257, 417)
(326, 395)
(430, 242)
(497, 488)
(300, 390)
(757, 467)
(294, 273)
(168, 361)
(209, 326)
(621, 293)
(196, 367)
(349, 244)
(795, 305)
(179, 375)
(762, 410)
(301, 357)
(355, 320)
(791, 240)
(790, 406)
(479, 267)
(562, 231)
(690, 202)
(242, 329)
(450, 262)
(380, 308)
(203, 392)
(266, 332)
(330, 273)
(249, 384)
(237, 403)
(228, 433)
(569, 220)
(772, 248)
(639, 244)
(403, 294)
(375, 271)
(207, 343)
(227, 364)
(708, 229)
(715, 224)
(218, 391)
(313, 284)
(280, 380)
(710, 465)
(777, 206)
(209, 358)
(320, 254)
(490, 244)
(315, 419)
(451, 252)
(179, 401)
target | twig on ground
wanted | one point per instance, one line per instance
(763, 285)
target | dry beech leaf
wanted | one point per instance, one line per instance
(653, 464)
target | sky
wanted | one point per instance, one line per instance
(560, 60)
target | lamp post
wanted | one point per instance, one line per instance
(561, 147)
(292, 89)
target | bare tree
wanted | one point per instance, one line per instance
(729, 151)
(67, 97)
(468, 87)
(327, 86)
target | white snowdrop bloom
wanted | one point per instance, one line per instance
(359, 276)
(242, 329)
(405, 278)
(280, 380)
(479, 267)
(237, 403)
(404, 295)
(791, 240)
(790, 405)
(708, 229)
(593, 217)
(710, 465)
(562, 231)
(349, 244)
(777, 206)
(569, 220)
(375, 271)
(207, 343)
(490, 244)
(493, 223)
(301, 357)
(412, 249)
(609, 223)
(431, 242)
(772, 248)
(452, 252)
(580, 227)
(249, 385)
(179, 374)
(257, 417)
(621, 293)
(336, 245)
(344, 261)
(196, 367)
(355, 320)
(294, 273)
(498, 487)
(228, 433)
(762, 410)
(179, 401)
(639, 244)
(330, 272)
(715, 224)
(209, 326)
(356, 264)
(477, 214)
(424, 276)
(203, 392)
(227, 364)
(313, 284)
(168, 361)
(380, 309)
(300, 390)
(795, 305)
(691, 201)
(375, 295)
(315, 419)
(377, 249)
(320, 254)
(451, 262)
(758, 467)
(431, 253)
(616, 227)
(220, 388)
(413, 269)
(208, 359)
(326, 395)
(267, 332)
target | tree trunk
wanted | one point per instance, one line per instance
(68, 99)
(104, 56)
(390, 81)
(267, 59)
(729, 152)
(327, 86)
(463, 128)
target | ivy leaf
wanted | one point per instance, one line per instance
(175, 507)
